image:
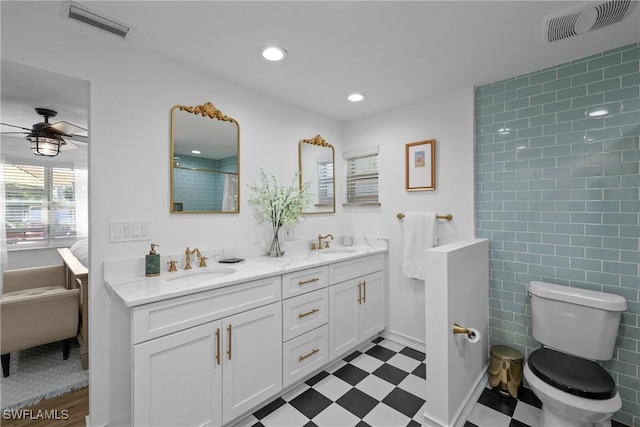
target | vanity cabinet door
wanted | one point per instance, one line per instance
(343, 318)
(356, 312)
(372, 307)
(252, 359)
(178, 379)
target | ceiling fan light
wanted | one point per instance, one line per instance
(44, 146)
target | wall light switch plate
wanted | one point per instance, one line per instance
(129, 231)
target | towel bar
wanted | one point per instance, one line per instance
(448, 217)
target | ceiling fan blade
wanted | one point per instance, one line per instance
(66, 128)
(14, 126)
(77, 138)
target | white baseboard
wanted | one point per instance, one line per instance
(472, 397)
(465, 410)
(404, 340)
(87, 420)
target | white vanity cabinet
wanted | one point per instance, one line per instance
(209, 374)
(356, 303)
(206, 358)
(210, 357)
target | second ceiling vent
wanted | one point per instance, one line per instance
(583, 18)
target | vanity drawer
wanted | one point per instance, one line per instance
(304, 313)
(165, 317)
(304, 281)
(346, 270)
(304, 354)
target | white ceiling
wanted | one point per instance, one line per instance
(395, 52)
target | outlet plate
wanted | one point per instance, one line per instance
(129, 231)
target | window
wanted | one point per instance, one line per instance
(362, 177)
(44, 205)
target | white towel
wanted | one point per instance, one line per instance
(420, 233)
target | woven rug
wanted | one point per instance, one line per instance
(40, 373)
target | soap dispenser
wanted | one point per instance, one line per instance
(152, 262)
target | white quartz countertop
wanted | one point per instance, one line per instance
(138, 290)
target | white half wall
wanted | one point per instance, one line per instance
(449, 120)
(456, 292)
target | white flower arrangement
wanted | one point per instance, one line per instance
(279, 205)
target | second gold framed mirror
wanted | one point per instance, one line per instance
(316, 159)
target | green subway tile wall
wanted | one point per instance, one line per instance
(556, 186)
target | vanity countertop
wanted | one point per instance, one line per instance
(139, 290)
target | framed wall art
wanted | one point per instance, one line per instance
(420, 165)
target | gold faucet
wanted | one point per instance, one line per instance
(321, 238)
(187, 257)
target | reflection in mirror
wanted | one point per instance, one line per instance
(205, 160)
(316, 159)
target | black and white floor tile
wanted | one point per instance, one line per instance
(382, 385)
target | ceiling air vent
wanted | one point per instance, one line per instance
(583, 18)
(88, 17)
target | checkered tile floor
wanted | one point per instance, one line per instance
(382, 385)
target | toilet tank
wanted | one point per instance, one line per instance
(577, 321)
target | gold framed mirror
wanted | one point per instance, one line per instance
(205, 160)
(316, 160)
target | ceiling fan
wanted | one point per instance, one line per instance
(48, 138)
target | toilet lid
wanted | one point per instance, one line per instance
(572, 374)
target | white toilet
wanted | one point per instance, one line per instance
(575, 327)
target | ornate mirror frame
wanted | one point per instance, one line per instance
(207, 110)
(319, 142)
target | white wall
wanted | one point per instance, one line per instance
(449, 120)
(132, 93)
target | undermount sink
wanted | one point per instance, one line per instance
(339, 250)
(209, 273)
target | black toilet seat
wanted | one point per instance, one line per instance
(572, 374)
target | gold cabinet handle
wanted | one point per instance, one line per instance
(305, 282)
(314, 351)
(218, 346)
(359, 293)
(364, 291)
(229, 349)
(308, 313)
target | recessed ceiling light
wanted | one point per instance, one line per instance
(355, 97)
(273, 53)
(196, 151)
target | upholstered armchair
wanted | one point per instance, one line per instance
(36, 309)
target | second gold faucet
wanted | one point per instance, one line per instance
(321, 238)
(187, 255)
